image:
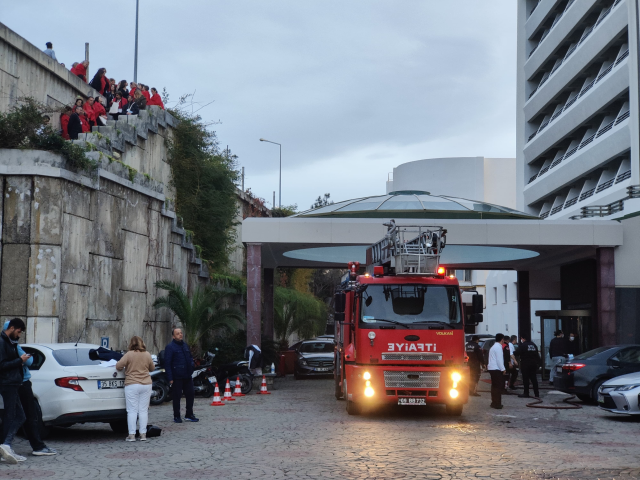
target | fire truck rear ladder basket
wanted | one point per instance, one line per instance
(410, 249)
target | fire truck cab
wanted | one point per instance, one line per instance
(399, 327)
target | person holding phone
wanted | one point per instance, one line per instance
(28, 401)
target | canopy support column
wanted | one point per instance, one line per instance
(267, 325)
(606, 302)
(524, 306)
(254, 293)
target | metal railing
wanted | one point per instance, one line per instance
(587, 141)
(623, 176)
(555, 210)
(571, 203)
(605, 185)
(555, 22)
(605, 129)
(623, 117)
(587, 194)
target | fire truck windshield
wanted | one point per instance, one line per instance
(422, 306)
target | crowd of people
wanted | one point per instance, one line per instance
(507, 356)
(113, 99)
(20, 405)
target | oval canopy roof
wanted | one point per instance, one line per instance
(415, 204)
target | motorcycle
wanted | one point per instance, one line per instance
(160, 387)
(205, 376)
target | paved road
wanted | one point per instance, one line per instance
(302, 432)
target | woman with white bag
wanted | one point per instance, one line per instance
(137, 363)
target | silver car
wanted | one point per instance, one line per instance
(621, 394)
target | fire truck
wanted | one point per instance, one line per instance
(399, 326)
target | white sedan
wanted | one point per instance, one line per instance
(621, 394)
(71, 388)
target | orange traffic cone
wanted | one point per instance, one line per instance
(263, 387)
(227, 393)
(237, 392)
(216, 397)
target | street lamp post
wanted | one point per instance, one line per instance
(280, 177)
(135, 62)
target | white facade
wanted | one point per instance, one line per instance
(491, 180)
(577, 104)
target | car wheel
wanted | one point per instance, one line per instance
(454, 410)
(596, 387)
(119, 426)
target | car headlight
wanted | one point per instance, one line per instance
(626, 388)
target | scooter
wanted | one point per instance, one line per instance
(206, 376)
(160, 387)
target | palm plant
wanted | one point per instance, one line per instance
(203, 313)
(296, 312)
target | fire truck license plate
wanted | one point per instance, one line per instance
(412, 401)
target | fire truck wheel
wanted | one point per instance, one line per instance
(353, 408)
(454, 410)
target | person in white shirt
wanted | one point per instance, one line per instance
(49, 51)
(496, 370)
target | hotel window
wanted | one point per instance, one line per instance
(495, 295)
(504, 288)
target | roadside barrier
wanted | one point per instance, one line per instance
(237, 392)
(216, 397)
(263, 387)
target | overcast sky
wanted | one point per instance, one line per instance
(349, 88)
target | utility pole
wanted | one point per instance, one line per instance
(135, 62)
(86, 57)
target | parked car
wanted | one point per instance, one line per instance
(314, 357)
(585, 373)
(486, 346)
(482, 338)
(621, 394)
(320, 337)
(71, 388)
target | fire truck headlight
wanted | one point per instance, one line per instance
(453, 393)
(368, 392)
(456, 377)
(366, 376)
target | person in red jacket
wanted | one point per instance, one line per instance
(155, 99)
(99, 111)
(88, 111)
(145, 92)
(80, 70)
(134, 87)
(64, 122)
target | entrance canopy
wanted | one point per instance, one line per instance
(507, 244)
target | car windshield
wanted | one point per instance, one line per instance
(591, 353)
(411, 304)
(316, 347)
(71, 357)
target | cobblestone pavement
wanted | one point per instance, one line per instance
(301, 431)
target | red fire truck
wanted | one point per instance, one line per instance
(399, 327)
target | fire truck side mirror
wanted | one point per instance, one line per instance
(477, 318)
(340, 302)
(477, 301)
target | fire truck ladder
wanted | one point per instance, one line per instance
(410, 249)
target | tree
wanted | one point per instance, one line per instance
(204, 180)
(285, 211)
(322, 201)
(201, 314)
(299, 313)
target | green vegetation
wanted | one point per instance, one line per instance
(297, 312)
(205, 312)
(24, 127)
(204, 180)
(285, 211)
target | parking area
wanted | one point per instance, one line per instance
(301, 431)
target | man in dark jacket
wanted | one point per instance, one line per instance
(557, 352)
(529, 363)
(179, 367)
(11, 377)
(476, 359)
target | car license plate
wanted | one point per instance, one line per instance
(104, 384)
(322, 369)
(600, 398)
(558, 369)
(412, 401)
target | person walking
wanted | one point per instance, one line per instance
(179, 366)
(573, 346)
(49, 51)
(513, 363)
(11, 378)
(496, 370)
(137, 363)
(476, 360)
(28, 401)
(529, 363)
(557, 352)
